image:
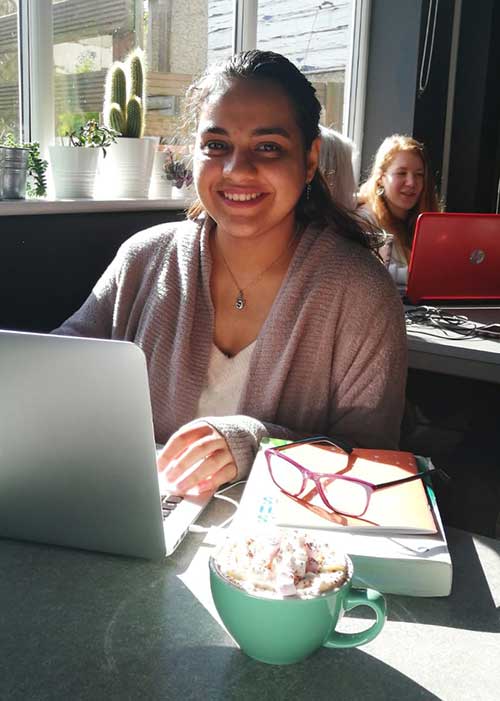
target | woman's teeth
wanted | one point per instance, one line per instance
(241, 197)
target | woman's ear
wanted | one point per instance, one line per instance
(312, 159)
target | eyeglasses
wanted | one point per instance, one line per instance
(345, 495)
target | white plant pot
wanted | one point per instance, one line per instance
(159, 186)
(126, 170)
(73, 171)
(183, 193)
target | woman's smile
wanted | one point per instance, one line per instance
(410, 195)
(233, 198)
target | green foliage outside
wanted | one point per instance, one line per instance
(87, 62)
(68, 122)
(9, 115)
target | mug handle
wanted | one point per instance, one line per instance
(360, 597)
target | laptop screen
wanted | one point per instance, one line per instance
(455, 256)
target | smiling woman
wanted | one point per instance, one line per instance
(247, 313)
(400, 187)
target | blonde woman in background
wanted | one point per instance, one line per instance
(400, 187)
(336, 161)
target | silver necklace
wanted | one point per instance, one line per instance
(240, 302)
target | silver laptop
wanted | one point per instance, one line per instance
(77, 448)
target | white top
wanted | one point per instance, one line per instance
(392, 255)
(397, 266)
(226, 378)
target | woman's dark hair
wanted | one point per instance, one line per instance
(266, 65)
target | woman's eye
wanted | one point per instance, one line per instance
(214, 146)
(269, 148)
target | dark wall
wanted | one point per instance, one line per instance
(49, 263)
(395, 104)
(431, 95)
(474, 160)
(392, 73)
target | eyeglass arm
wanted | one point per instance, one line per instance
(336, 442)
(418, 475)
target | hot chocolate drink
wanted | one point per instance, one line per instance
(282, 564)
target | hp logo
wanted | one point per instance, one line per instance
(477, 256)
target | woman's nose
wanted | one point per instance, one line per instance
(410, 179)
(239, 163)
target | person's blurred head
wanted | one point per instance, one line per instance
(336, 157)
(401, 186)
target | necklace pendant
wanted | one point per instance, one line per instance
(240, 301)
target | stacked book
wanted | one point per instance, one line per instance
(398, 546)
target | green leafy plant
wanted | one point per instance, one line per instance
(92, 135)
(125, 96)
(36, 184)
(176, 170)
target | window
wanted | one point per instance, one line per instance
(179, 37)
(314, 35)
(75, 42)
(9, 70)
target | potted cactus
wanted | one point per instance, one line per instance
(127, 169)
(74, 161)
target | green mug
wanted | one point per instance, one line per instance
(284, 631)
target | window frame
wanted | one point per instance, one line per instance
(36, 73)
(36, 79)
(356, 77)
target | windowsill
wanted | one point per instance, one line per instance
(46, 206)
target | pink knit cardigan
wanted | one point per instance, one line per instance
(330, 358)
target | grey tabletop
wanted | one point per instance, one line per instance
(454, 354)
(80, 625)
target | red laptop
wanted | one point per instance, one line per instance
(455, 257)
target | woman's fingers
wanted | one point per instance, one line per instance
(204, 449)
(180, 440)
(197, 459)
(201, 469)
(226, 474)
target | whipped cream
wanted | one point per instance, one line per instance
(282, 564)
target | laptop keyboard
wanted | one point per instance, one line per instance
(169, 503)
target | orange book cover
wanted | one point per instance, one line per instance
(403, 508)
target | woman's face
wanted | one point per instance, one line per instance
(250, 167)
(403, 182)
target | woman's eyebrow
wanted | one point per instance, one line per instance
(213, 129)
(260, 131)
(278, 131)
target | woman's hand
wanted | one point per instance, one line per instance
(196, 459)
